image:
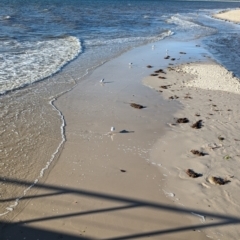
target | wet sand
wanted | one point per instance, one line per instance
(107, 185)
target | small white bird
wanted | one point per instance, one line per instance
(112, 129)
(153, 46)
(102, 80)
(130, 64)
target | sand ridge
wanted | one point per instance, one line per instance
(232, 15)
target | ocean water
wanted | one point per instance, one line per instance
(46, 47)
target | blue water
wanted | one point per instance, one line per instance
(38, 38)
(59, 41)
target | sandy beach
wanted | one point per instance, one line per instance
(132, 183)
(210, 149)
(105, 185)
(232, 15)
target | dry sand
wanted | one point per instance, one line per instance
(109, 185)
(210, 93)
(233, 15)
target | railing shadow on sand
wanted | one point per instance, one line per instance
(129, 203)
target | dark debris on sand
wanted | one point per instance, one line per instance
(198, 153)
(135, 105)
(188, 96)
(160, 71)
(193, 174)
(197, 124)
(220, 181)
(182, 120)
(154, 74)
(149, 66)
(174, 97)
(221, 138)
(165, 86)
(125, 131)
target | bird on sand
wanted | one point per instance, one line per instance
(102, 80)
(112, 129)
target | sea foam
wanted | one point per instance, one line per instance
(28, 62)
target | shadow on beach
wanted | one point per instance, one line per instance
(20, 229)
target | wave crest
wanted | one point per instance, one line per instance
(100, 42)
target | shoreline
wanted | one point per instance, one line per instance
(116, 166)
(133, 182)
(131, 179)
(229, 15)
